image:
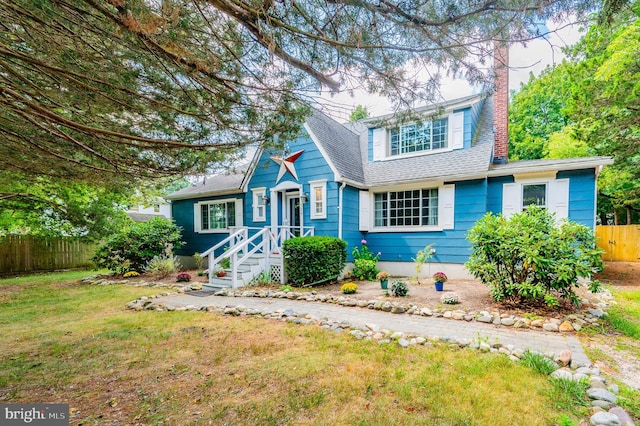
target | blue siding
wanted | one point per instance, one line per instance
(451, 245)
(582, 184)
(310, 166)
(351, 220)
(494, 193)
(182, 213)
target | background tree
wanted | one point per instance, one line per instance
(111, 93)
(589, 105)
(360, 112)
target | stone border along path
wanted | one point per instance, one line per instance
(417, 329)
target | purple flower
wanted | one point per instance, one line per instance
(363, 242)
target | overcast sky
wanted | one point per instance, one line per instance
(523, 60)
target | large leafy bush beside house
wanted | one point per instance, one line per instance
(530, 257)
(133, 247)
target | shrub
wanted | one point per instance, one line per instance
(399, 289)
(531, 258)
(423, 257)
(183, 277)
(136, 245)
(197, 257)
(162, 266)
(364, 263)
(315, 259)
(349, 288)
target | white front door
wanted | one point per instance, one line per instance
(292, 213)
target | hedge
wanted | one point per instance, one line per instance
(312, 260)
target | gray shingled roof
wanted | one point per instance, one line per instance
(457, 164)
(524, 166)
(226, 183)
(339, 143)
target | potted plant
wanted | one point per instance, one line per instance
(383, 277)
(439, 278)
(219, 272)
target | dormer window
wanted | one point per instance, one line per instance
(427, 136)
(422, 138)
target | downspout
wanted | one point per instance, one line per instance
(340, 196)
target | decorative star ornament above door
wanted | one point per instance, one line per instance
(286, 165)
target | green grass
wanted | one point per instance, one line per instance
(625, 316)
(77, 344)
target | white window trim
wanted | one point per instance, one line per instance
(455, 136)
(258, 195)
(313, 185)
(557, 196)
(197, 215)
(446, 197)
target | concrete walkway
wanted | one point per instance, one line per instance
(414, 324)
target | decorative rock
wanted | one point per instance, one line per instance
(426, 312)
(485, 347)
(521, 323)
(564, 358)
(561, 373)
(358, 334)
(549, 326)
(613, 388)
(598, 313)
(600, 403)
(537, 323)
(602, 394)
(565, 327)
(403, 342)
(485, 318)
(623, 416)
(447, 314)
(397, 310)
(387, 306)
(605, 419)
(507, 321)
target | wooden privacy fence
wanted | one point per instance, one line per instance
(25, 253)
(621, 243)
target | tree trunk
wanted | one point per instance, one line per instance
(615, 217)
(628, 216)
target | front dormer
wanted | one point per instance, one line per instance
(433, 134)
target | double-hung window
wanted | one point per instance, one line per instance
(428, 136)
(418, 207)
(534, 194)
(318, 190)
(215, 215)
(259, 204)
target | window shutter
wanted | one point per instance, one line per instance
(559, 198)
(365, 218)
(511, 199)
(456, 128)
(379, 143)
(197, 220)
(239, 213)
(446, 201)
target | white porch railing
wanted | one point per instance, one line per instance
(258, 248)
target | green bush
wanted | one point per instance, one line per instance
(364, 263)
(133, 247)
(315, 259)
(399, 289)
(529, 258)
(162, 266)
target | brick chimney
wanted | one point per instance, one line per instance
(501, 102)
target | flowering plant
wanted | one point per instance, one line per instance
(183, 277)
(131, 274)
(349, 288)
(364, 262)
(449, 298)
(440, 277)
(382, 275)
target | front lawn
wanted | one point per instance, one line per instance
(66, 342)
